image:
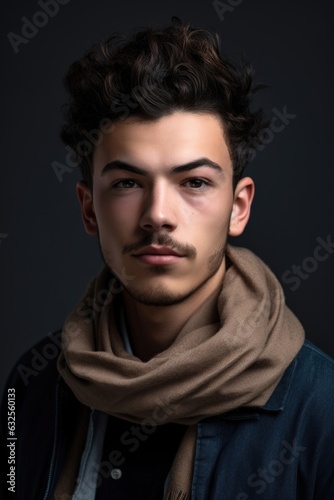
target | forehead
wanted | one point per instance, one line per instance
(157, 144)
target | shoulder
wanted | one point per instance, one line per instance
(38, 365)
(33, 382)
(305, 392)
(45, 409)
(315, 365)
(311, 350)
(312, 383)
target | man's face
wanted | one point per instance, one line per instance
(161, 204)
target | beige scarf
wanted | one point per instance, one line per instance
(231, 353)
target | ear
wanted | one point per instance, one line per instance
(85, 197)
(243, 197)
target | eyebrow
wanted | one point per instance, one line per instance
(200, 162)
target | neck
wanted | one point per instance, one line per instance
(152, 329)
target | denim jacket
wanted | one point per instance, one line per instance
(281, 451)
(284, 450)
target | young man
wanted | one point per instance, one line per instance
(181, 374)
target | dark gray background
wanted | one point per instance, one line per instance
(47, 259)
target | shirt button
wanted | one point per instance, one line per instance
(116, 473)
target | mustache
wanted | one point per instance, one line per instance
(162, 239)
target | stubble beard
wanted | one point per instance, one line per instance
(161, 295)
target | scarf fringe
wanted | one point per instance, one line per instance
(176, 494)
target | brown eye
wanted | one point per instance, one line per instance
(196, 183)
(125, 184)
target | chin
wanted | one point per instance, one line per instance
(158, 296)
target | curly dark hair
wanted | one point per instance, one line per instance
(152, 74)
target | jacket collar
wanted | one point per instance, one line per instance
(275, 403)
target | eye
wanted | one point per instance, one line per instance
(196, 183)
(126, 184)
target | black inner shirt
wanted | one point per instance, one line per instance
(136, 459)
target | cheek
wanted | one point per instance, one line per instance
(211, 222)
(117, 218)
(212, 239)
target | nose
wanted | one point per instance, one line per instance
(159, 211)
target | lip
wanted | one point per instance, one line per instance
(158, 255)
(157, 250)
